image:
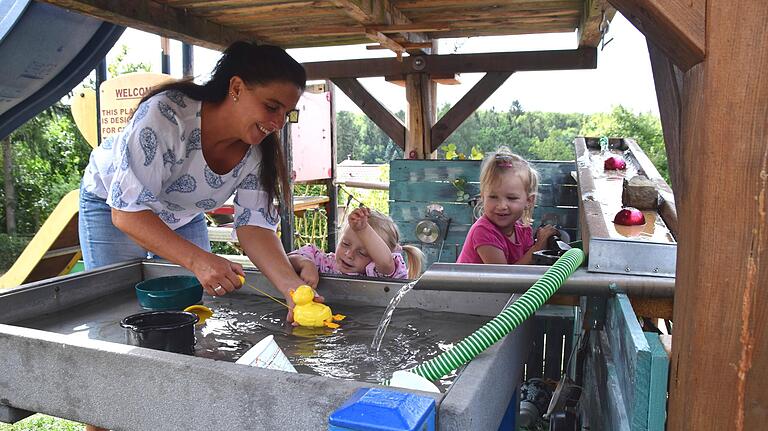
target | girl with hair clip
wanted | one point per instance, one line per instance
(503, 235)
(186, 150)
(369, 245)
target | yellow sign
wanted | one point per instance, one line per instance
(84, 113)
(120, 96)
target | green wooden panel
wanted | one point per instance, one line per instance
(659, 376)
(565, 217)
(430, 191)
(459, 213)
(433, 170)
(631, 354)
(431, 253)
(457, 233)
(562, 216)
(447, 170)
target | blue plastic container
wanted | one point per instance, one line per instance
(175, 292)
(375, 409)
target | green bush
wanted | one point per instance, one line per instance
(42, 423)
(11, 247)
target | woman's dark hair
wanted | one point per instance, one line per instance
(254, 64)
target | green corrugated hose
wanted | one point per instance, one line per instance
(506, 321)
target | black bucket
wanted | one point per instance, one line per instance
(172, 331)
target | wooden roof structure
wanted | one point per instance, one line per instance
(394, 24)
(708, 60)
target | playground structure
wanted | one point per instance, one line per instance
(703, 56)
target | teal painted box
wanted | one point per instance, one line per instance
(375, 409)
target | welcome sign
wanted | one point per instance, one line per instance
(120, 96)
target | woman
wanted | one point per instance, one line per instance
(187, 148)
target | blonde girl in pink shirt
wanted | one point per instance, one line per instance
(503, 235)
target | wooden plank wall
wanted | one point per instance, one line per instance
(414, 184)
(552, 339)
(626, 374)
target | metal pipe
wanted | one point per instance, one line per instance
(369, 185)
(518, 278)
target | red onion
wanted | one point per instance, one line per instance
(614, 164)
(629, 217)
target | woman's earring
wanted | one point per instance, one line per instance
(234, 96)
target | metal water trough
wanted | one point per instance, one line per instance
(98, 380)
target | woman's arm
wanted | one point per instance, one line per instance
(264, 249)
(147, 230)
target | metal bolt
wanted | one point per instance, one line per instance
(626, 269)
(418, 63)
(597, 266)
(655, 269)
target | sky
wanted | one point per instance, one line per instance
(623, 75)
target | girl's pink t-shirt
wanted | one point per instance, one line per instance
(484, 232)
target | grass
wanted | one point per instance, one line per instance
(43, 423)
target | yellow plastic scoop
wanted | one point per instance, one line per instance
(203, 312)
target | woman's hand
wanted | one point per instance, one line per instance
(358, 219)
(217, 275)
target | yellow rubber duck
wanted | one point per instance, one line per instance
(309, 313)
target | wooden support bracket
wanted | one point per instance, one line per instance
(466, 106)
(390, 124)
(677, 27)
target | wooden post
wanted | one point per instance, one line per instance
(418, 141)
(333, 192)
(720, 336)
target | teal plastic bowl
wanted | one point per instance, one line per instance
(175, 292)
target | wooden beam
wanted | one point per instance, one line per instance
(381, 12)
(582, 58)
(407, 46)
(438, 78)
(475, 97)
(720, 348)
(420, 116)
(153, 17)
(677, 27)
(669, 82)
(385, 41)
(390, 124)
(595, 17)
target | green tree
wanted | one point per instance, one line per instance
(347, 135)
(121, 67)
(49, 157)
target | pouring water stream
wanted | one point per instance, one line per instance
(387, 317)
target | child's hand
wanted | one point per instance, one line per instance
(309, 274)
(358, 219)
(543, 234)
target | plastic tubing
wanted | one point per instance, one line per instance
(506, 321)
